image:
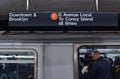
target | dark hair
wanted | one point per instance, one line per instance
(87, 59)
(117, 60)
(81, 60)
(87, 55)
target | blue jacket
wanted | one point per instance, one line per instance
(101, 69)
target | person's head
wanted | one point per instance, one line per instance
(81, 61)
(117, 62)
(117, 66)
(86, 59)
(95, 55)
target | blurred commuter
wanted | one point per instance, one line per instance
(117, 68)
(81, 65)
(101, 68)
(85, 70)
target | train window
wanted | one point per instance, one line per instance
(17, 64)
(99, 61)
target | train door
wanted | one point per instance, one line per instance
(84, 61)
(58, 61)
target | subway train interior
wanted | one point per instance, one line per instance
(42, 39)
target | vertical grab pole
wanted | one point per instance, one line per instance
(27, 4)
(97, 5)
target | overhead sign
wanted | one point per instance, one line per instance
(63, 19)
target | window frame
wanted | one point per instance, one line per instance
(24, 50)
(76, 46)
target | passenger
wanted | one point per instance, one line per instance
(117, 68)
(111, 61)
(101, 68)
(86, 59)
(86, 66)
(81, 65)
(90, 64)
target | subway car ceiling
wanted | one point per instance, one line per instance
(7, 6)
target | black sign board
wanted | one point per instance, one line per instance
(38, 19)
